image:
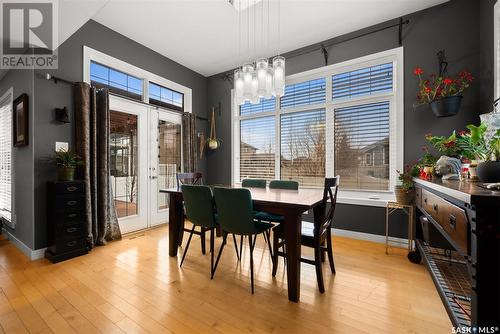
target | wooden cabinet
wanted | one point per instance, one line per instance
(468, 276)
(66, 220)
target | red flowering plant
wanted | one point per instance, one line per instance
(436, 87)
(445, 145)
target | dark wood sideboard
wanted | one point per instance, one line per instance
(66, 220)
(467, 271)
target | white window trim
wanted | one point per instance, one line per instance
(496, 24)
(396, 132)
(90, 55)
(9, 94)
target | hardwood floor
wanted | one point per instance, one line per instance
(133, 286)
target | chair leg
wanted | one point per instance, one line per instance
(212, 243)
(329, 250)
(319, 267)
(224, 237)
(275, 253)
(187, 245)
(241, 246)
(236, 247)
(202, 237)
(267, 238)
(252, 244)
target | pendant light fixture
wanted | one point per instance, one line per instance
(264, 78)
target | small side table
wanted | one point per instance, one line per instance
(410, 212)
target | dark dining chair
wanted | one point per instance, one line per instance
(253, 183)
(236, 216)
(317, 235)
(191, 178)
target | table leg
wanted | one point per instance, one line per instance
(175, 223)
(386, 229)
(293, 228)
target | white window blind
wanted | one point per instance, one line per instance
(304, 93)
(5, 159)
(257, 148)
(361, 144)
(365, 81)
(265, 105)
(303, 147)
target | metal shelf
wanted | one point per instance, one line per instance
(450, 275)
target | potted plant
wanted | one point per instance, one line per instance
(473, 146)
(405, 191)
(489, 170)
(444, 94)
(426, 163)
(445, 145)
(66, 162)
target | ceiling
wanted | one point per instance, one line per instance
(203, 34)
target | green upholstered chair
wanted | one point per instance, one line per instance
(236, 216)
(253, 183)
(199, 207)
(284, 184)
(317, 235)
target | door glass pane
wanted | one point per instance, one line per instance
(123, 161)
(169, 158)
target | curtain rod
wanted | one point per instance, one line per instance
(48, 76)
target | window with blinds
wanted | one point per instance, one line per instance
(265, 105)
(165, 97)
(257, 148)
(303, 147)
(118, 82)
(304, 93)
(5, 160)
(365, 81)
(361, 155)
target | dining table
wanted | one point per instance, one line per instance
(290, 204)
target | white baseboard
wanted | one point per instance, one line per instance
(31, 254)
(398, 242)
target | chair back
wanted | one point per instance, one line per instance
(253, 183)
(189, 178)
(284, 184)
(323, 213)
(199, 205)
(235, 210)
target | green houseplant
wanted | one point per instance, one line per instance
(405, 191)
(489, 170)
(66, 162)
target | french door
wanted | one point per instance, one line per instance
(145, 155)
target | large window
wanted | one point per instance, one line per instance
(165, 97)
(6, 158)
(344, 119)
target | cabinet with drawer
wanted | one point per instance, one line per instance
(66, 220)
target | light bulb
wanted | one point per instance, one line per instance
(269, 83)
(238, 87)
(279, 75)
(255, 85)
(248, 71)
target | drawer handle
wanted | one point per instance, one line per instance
(71, 188)
(72, 215)
(425, 200)
(71, 203)
(435, 207)
(71, 229)
(71, 243)
(453, 222)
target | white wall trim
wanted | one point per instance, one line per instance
(31, 254)
(90, 54)
(397, 242)
(12, 222)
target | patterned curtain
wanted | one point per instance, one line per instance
(189, 143)
(92, 145)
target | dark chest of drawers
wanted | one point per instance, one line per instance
(66, 220)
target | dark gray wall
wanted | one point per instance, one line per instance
(22, 82)
(486, 60)
(453, 26)
(50, 96)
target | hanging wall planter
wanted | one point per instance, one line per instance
(447, 106)
(213, 142)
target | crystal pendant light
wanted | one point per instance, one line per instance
(255, 86)
(239, 87)
(248, 72)
(269, 83)
(279, 76)
(261, 66)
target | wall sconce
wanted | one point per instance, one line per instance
(62, 115)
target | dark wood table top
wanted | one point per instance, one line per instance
(304, 197)
(466, 191)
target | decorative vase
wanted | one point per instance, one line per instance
(403, 196)
(66, 173)
(489, 171)
(447, 106)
